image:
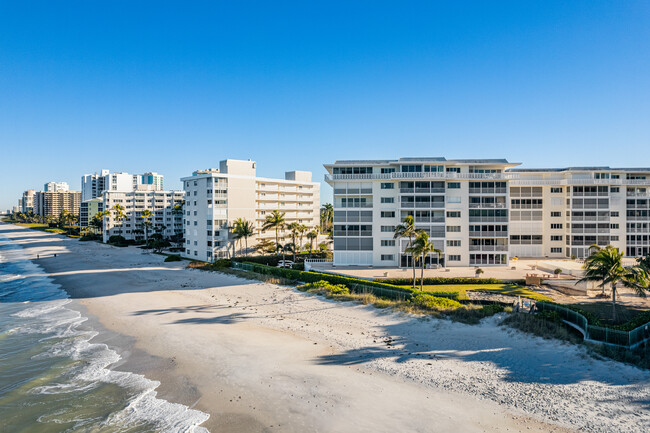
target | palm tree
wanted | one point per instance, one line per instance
(287, 248)
(326, 217)
(311, 236)
(407, 230)
(294, 228)
(302, 229)
(118, 211)
(243, 230)
(275, 220)
(421, 247)
(606, 265)
(146, 215)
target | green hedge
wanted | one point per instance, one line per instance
(354, 284)
(435, 281)
(274, 259)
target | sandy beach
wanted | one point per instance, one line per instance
(259, 357)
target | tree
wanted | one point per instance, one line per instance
(243, 230)
(606, 266)
(286, 248)
(294, 228)
(97, 221)
(146, 215)
(421, 247)
(65, 218)
(302, 229)
(265, 246)
(326, 217)
(275, 220)
(312, 235)
(557, 272)
(407, 230)
(478, 272)
(118, 213)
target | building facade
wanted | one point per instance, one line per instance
(56, 187)
(215, 198)
(165, 205)
(27, 201)
(92, 185)
(88, 209)
(48, 203)
(484, 212)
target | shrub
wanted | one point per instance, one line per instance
(435, 281)
(435, 303)
(221, 264)
(354, 284)
(118, 241)
(324, 288)
(173, 258)
(558, 271)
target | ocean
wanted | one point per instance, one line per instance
(54, 379)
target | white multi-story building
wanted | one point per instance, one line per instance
(217, 197)
(483, 212)
(165, 205)
(92, 185)
(56, 187)
(27, 202)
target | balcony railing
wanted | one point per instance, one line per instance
(488, 247)
(488, 205)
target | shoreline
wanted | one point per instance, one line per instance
(254, 355)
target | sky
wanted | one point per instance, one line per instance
(173, 87)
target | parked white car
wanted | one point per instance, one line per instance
(285, 264)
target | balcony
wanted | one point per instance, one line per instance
(488, 205)
(488, 234)
(488, 247)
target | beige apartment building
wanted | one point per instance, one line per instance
(52, 203)
(215, 198)
(483, 212)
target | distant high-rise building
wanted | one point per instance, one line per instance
(27, 201)
(56, 187)
(52, 203)
(92, 185)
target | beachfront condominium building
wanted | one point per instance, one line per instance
(52, 203)
(27, 201)
(215, 198)
(166, 206)
(56, 187)
(485, 211)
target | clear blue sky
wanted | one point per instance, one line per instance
(174, 87)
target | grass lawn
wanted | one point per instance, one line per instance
(603, 310)
(42, 227)
(504, 289)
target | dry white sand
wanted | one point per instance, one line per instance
(260, 357)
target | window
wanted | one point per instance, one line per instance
(556, 238)
(388, 170)
(195, 223)
(388, 214)
(453, 229)
(388, 242)
(556, 214)
(614, 226)
(195, 194)
(453, 185)
(614, 238)
(614, 214)
(209, 232)
(454, 243)
(187, 251)
(453, 199)
(209, 243)
(387, 229)
(453, 169)
(453, 258)
(556, 190)
(387, 185)
(388, 200)
(615, 189)
(556, 250)
(556, 226)
(387, 257)
(209, 222)
(453, 214)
